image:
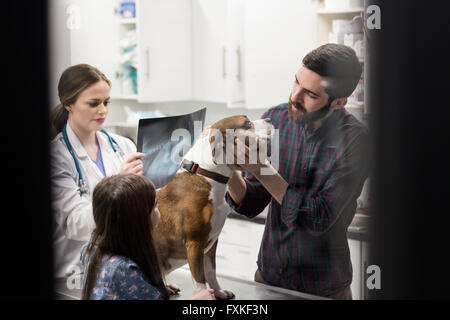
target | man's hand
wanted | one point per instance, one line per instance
(242, 160)
(271, 180)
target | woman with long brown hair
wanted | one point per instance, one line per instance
(82, 154)
(120, 261)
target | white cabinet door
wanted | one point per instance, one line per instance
(364, 265)
(164, 44)
(278, 34)
(94, 35)
(235, 53)
(218, 49)
(355, 256)
(238, 248)
(209, 49)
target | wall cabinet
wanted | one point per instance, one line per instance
(278, 34)
(217, 48)
(242, 53)
(164, 46)
(163, 43)
(209, 49)
(245, 53)
(94, 36)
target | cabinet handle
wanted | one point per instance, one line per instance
(147, 57)
(238, 53)
(224, 66)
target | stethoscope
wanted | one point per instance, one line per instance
(82, 184)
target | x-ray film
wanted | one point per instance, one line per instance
(165, 141)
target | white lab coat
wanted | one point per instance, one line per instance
(73, 218)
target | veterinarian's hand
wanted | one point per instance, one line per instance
(133, 164)
(206, 131)
(205, 294)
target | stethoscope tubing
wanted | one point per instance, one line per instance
(82, 185)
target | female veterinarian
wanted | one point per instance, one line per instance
(82, 154)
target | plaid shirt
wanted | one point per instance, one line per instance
(304, 246)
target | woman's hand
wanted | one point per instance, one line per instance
(205, 294)
(133, 164)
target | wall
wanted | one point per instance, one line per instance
(215, 111)
(59, 45)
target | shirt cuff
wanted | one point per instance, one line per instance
(246, 208)
(231, 202)
(290, 205)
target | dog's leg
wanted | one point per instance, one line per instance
(195, 259)
(210, 274)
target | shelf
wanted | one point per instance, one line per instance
(354, 104)
(340, 11)
(125, 97)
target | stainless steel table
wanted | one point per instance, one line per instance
(243, 289)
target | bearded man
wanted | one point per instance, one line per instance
(312, 195)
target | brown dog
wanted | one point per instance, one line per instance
(193, 208)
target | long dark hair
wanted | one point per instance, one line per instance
(122, 205)
(73, 81)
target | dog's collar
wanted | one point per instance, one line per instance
(194, 168)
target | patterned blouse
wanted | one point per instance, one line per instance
(120, 278)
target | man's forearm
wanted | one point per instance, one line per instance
(237, 187)
(274, 183)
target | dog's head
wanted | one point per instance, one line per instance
(254, 134)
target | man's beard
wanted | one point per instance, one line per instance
(302, 116)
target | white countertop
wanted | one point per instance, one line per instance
(243, 289)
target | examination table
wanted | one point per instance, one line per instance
(243, 289)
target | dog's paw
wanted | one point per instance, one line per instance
(172, 289)
(224, 295)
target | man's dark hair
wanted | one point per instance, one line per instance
(340, 64)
